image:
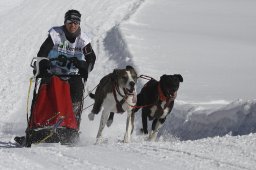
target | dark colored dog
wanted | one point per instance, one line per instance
(156, 100)
(116, 93)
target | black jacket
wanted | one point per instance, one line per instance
(89, 54)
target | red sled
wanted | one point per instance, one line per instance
(53, 103)
(52, 119)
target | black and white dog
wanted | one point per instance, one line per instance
(156, 100)
(116, 93)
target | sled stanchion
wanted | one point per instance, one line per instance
(29, 89)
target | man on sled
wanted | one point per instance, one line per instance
(63, 63)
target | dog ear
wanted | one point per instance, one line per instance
(132, 70)
(179, 77)
(163, 76)
(129, 67)
(114, 74)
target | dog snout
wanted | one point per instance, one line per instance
(173, 95)
(132, 84)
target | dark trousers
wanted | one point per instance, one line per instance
(76, 89)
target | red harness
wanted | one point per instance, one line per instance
(161, 94)
(162, 97)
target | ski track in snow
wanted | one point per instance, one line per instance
(21, 41)
(169, 155)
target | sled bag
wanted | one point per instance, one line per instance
(53, 101)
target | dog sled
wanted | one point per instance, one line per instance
(52, 118)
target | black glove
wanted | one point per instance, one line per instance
(76, 62)
(82, 66)
(43, 66)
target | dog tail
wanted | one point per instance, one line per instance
(91, 95)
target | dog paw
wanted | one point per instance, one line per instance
(127, 140)
(109, 123)
(143, 132)
(100, 140)
(91, 116)
(152, 137)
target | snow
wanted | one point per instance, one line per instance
(211, 43)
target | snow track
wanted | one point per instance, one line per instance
(136, 155)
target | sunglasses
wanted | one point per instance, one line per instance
(72, 22)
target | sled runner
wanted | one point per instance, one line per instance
(52, 118)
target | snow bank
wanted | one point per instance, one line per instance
(189, 122)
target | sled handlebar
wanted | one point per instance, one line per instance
(36, 60)
(59, 75)
(60, 58)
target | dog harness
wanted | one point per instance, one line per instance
(120, 103)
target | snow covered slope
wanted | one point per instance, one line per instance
(125, 32)
(211, 43)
